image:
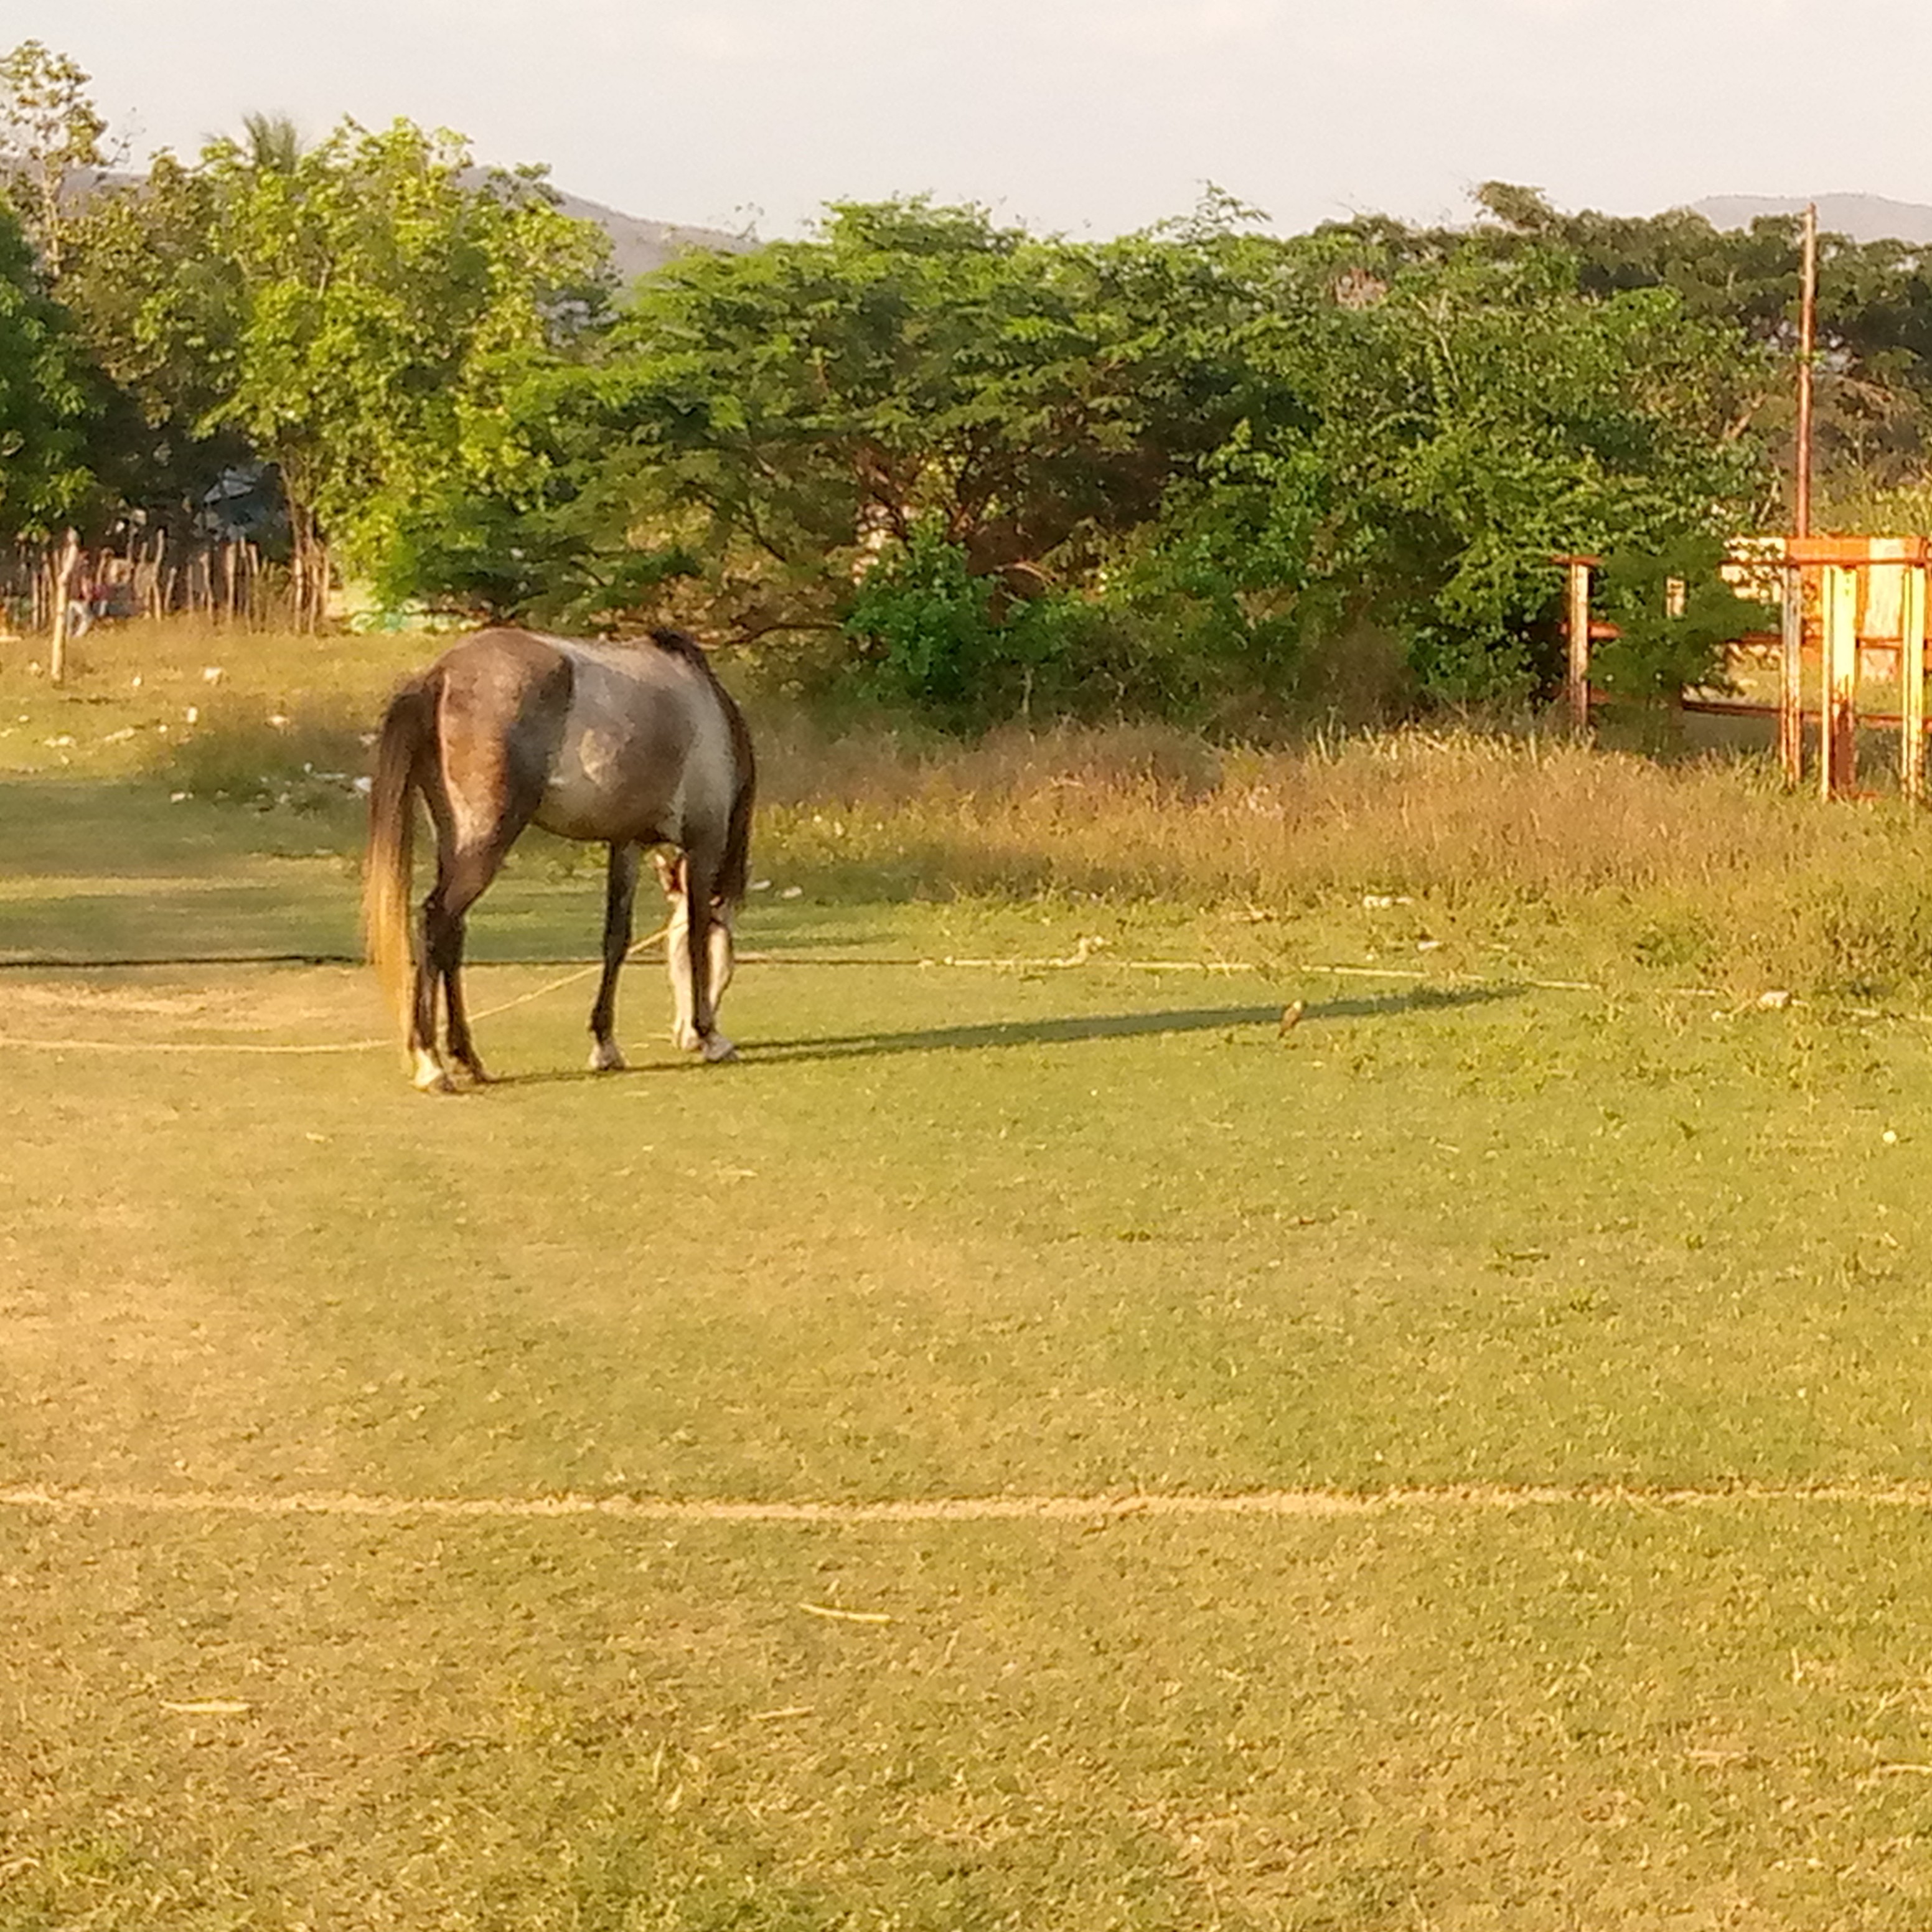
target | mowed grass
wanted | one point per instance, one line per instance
(946, 1231)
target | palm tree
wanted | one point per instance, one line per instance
(272, 143)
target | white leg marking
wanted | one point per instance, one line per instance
(607, 1056)
(429, 1075)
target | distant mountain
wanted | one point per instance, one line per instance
(1865, 217)
(638, 246)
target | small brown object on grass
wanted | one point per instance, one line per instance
(1291, 1016)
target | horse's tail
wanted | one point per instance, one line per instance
(406, 743)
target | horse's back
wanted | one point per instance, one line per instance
(629, 742)
(647, 751)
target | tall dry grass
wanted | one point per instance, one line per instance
(1538, 843)
(1527, 845)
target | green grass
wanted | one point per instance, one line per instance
(945, 1232)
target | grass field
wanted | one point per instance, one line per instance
(1032, 1446)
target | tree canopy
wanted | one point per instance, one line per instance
(920, 450)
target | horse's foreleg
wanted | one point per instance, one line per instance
(620, 892)
(696, 985)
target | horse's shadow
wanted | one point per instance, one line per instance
(1070, 1031)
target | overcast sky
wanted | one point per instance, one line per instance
(1082, 116)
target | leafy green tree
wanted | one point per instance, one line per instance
(356, 313)
(1008, 471)
(49, 129)
(1874, 368)
(1455, 422)
(385, 302)
(160, 311)
(915, 367)
(50, 406)
(1676, 618)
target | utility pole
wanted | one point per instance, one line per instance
(1791, 648)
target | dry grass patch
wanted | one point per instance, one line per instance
(1547, 848)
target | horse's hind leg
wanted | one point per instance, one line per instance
(620, 893)
(461, 876)
(428, 1072)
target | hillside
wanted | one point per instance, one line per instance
(638, 246)
(1865, 217)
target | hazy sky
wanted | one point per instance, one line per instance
(1079, 115)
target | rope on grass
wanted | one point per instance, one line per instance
(331, 1046)
(1085, 954)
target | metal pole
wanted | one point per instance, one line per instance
(1807, 336)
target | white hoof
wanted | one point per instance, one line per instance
(607, 1056)
(686, 1039)
(718, 1047)
(429, 1076)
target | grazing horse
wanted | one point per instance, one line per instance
(633, 745)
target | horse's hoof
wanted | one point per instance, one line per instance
(686, 1039)
(429, 1076)
(718, 1047)
(607, 1056)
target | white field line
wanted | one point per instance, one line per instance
(1304, 1503)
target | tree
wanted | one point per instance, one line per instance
(160, 311)
(49, 407)
(914, 367)
(1676, 618)
(48, 128)
(1002, 471)
(357, 312)
(272, 143)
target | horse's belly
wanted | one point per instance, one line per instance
(595, 791)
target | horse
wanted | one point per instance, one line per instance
(634, 745)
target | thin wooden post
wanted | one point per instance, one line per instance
(1791, 678)
(63, 576)
(1911, 685)
(1838, 711)
(1577, 683)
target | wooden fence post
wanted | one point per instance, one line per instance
(1911, 685)
(1576, 684)
(1838, 710)
(63, 576)
(1791, 677)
